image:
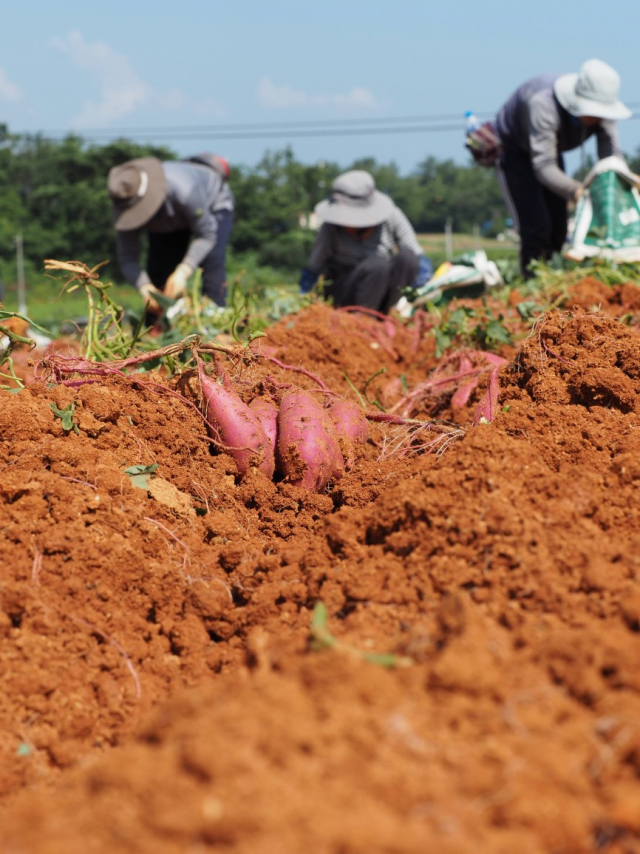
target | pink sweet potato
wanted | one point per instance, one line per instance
(349, 421)
(267, 414)
(235, 427)
(308, 451)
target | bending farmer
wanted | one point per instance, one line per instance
(356, 247)
(546, 116)
(186, 207)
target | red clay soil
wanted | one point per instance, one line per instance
(159, 689)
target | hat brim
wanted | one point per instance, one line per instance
(565, 91)
(138, 214)
(354, 216)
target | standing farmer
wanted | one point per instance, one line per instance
(356, 247)
(186, 208)
(546, 116)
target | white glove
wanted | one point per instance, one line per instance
(147, 290)
(176, 285)
(403, 307)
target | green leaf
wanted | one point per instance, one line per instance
(443, 341)
(321, 637)
(382, 659)
(66, 417)
(319, 617)
(140, 475)
(528, 309)
(496, 331)
(163, 300)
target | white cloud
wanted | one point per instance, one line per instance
(172, 99)
(284, 97)
(122, 90)
(279, 97)
(357, 97)
(8, 90)
(208, 107)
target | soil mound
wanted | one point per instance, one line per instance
(157, 638)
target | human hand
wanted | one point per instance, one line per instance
(147, 290)
(404, 307)
(307, 281)
(578, 194)
(176, 284)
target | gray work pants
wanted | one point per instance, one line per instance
(376, 282)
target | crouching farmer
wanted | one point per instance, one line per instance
(366, 247)
(186, 208)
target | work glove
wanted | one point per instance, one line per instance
(147, 290)
(176, 284)
(404, 307)
(307, 280)
(425, 272)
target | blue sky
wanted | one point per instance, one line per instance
(129, 65)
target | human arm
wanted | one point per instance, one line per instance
(402, 231)
(318, 258)
(607, 139)
(128, 252)
(193, 193)
(543, 127)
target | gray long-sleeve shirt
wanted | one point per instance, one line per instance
(534, 121)
(335, 246)
(194, 194)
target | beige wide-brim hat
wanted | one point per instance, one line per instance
(355, 202)
(592, 92)
(137, 189)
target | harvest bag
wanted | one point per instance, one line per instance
(472, 268)
(484, 144)
(607, 220)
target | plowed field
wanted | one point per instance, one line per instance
(161, 691)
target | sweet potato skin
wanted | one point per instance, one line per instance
(349, 421)
(308, 451)
(266, 412)
(236, 427)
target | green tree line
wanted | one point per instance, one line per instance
(54, 194)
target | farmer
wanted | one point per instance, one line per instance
(186, 207)
(546, 116)
(356, 247)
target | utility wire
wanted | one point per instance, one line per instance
(449, 117)
(288, 134)
(256, 130)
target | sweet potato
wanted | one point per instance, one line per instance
(267, 414)
(308, 451)
(235, 427)
(349, 421)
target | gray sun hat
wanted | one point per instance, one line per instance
(355, 202)
(137, 189)
(592, 92)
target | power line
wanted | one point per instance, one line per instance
(255, 130)
(276, 134)
(301, 133)
(270, 125)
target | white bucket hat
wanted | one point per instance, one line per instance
(592, 92)
(355, 202)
